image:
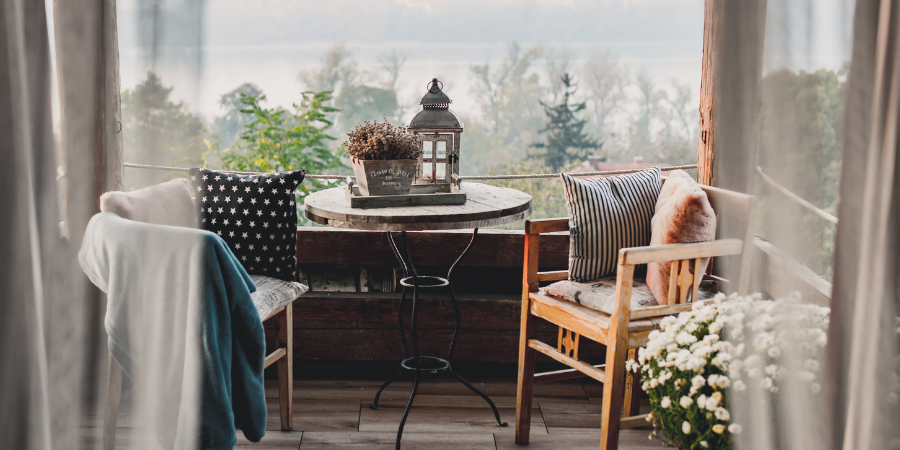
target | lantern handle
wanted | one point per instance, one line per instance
(434, 81)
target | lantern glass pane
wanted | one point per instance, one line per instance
(441, 149)
(426, 150)
(426, 171)
(440, 171)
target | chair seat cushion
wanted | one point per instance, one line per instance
(600, 295)
(272, 293)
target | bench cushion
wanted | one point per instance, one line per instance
(600, 295)
(272, 293)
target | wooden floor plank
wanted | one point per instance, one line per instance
(317, 415)
(441, 420)
(386, 441)
(273, 440)
(334, 414)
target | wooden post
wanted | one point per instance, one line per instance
(524, 390)
(733, 35)
(88, 72)
(286, 367)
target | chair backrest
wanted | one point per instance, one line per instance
(167, 203)
(735, 217)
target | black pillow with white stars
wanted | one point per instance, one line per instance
(256, 215)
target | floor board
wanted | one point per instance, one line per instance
(335, 414)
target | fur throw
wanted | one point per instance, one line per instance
(683, 215)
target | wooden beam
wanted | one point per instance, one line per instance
(730, 81)
(564, 374)
(587, 369)
(673, 252)
(555, 275)
(271, 358)
(784, 275)
(538, 226)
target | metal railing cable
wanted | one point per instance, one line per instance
(462, 178)
(796, 198)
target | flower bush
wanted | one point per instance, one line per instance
(733, 343)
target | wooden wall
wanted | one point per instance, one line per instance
(363, 326)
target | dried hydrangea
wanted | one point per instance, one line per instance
(370, 141)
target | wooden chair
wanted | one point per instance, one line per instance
(283, 355)
(623, 331)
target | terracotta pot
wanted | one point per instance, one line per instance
(384, 177)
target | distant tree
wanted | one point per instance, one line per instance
(280, 140)
(567, 141)
(648, 110)
(508, 95)
(157, 130)
(229, 125)
(360, 103)
(605, 81)
(337, 71)
(391, 64)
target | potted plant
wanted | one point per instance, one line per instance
(384, 158)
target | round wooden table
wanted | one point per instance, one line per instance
(485, 206)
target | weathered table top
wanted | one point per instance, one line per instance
(485, 206)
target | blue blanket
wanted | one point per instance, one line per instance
(182, 325)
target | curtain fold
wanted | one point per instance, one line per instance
(30, 249)
(864, 336)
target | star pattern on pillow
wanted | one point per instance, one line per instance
(256, 215)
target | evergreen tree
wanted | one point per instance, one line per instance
(157, 130)
(566, 139)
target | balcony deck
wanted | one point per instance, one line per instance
(332, 413)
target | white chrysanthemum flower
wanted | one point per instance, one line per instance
(686, 402)
(735, 428)
(698, 381)
(665, 402)
(766, 383)
(718, 428)
(685, 338)
(723, 382)
(712, 403)
(717, 396)
(686, 427)
(701, 401)
(739, 386)
(723, 414)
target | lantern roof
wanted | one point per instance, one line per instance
(435, 111)
(436, 96)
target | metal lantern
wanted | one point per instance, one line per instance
(437, 129)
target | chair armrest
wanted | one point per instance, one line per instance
(675, 252)
(540, 226)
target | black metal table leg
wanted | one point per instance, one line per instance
(418, 363)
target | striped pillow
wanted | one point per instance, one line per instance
(606, 215)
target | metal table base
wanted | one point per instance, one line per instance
(417, 363)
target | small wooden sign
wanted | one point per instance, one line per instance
(385, 177)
